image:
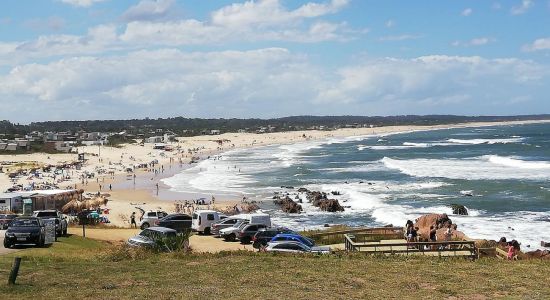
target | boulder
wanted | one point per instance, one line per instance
(288, 205)
(459, 209)
(303, 190)
(330, 205)
(440, 222)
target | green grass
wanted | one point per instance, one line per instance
(83, 269)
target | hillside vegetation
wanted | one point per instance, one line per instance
(79, 268)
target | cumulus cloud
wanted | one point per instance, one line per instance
(474, 42)
(271, 12)
(467, 12)
(436, 83)
(537, 45)
(150, 10)
(152, 23)
(81, 3)
(266, 82)
(522, 8)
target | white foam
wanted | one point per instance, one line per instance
(489, 167)
(485, 141)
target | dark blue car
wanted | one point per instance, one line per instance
(294, 238)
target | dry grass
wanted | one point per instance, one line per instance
(86, 269)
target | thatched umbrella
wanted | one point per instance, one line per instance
(72, 205)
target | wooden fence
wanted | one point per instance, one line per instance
(441, 249)
(370, 233)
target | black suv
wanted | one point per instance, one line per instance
(263, 236)
(178, 222)
(25, 230)
(248, 231)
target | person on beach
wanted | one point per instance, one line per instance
(133, 220)
(433, 236)
(110, 187)
(511, 251)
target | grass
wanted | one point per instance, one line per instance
(84, 269)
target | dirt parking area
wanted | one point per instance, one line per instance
(199, 243)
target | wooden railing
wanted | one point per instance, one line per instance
(371, 233)
(456, 248)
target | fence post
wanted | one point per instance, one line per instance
(14, 270)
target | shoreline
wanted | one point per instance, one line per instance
(125, 195)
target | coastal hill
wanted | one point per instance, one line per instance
(193, 126)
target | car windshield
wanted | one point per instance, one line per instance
(153, 234)
(46, 214)
(25, 223)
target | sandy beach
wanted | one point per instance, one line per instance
(110, 165)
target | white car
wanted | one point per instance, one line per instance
(151, 218)
(295, 247)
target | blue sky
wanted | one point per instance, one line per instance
(96, 59)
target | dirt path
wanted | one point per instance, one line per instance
(199, 243)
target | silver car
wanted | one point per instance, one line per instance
(295, 247)
(225, 223)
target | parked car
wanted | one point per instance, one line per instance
(230, 233)
(295, 247)
(5, 220)
(178, 222)
(264, 236)
(60, 220)
(149, 237)
(25, 230)
(247, 232)
(203, 220)
(225, 223)
(151, 218)
(294, 238)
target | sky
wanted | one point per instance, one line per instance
(121, 59)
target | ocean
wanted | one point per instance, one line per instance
(500, 173)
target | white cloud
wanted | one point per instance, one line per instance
(537, 45)
(403, 37)
(474, 42)
(153, 23)
(467, 12)
(522, 8)
(437, 80)
(271, 12)
(260, 83)
(149, 10)
(81, 3)
(390, 23)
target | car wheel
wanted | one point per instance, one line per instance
(144, 226)
(41, 242)
(65, 231)
(245, 240)
(232, 237)
(207, 231)
(7, 244)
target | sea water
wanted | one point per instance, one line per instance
(501, 174)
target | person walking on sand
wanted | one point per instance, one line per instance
(110, 187)
(133, 220)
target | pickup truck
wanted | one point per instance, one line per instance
(60, 220)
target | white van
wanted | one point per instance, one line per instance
(203, 220)
(259, 218)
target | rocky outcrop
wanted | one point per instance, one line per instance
(459, 209)
(288, 205)
(330, 205)
(320, 199)
(441, 223)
